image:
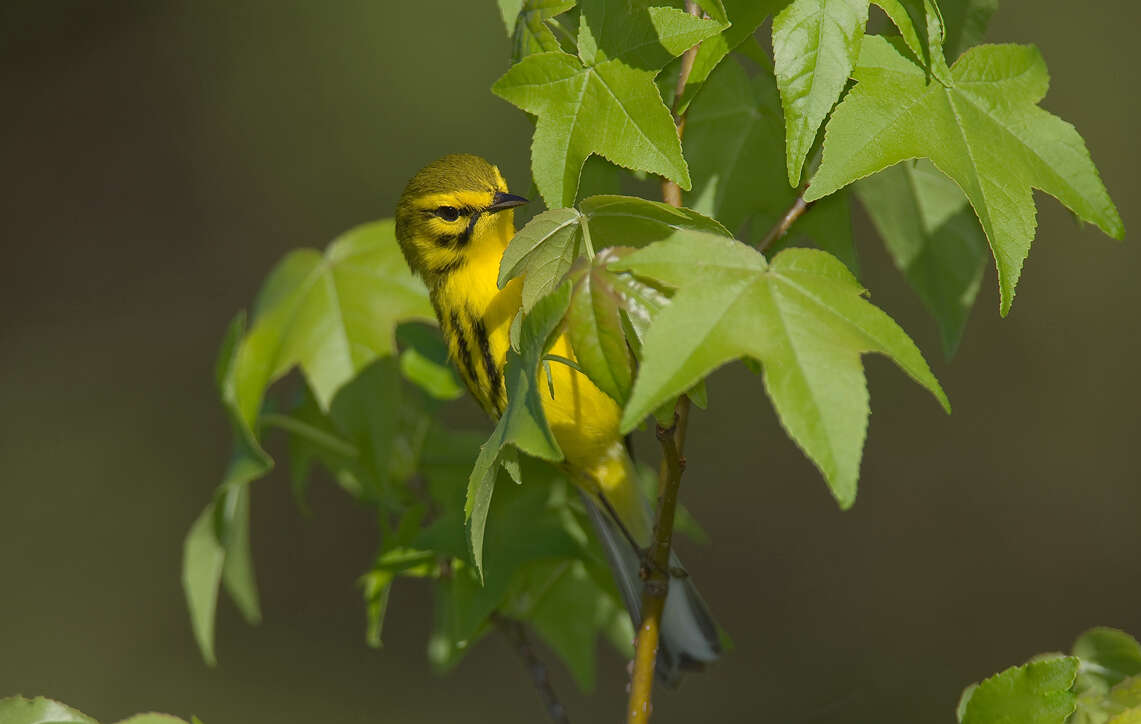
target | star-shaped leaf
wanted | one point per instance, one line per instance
(802, 316)
(815, 45)
(330, 314)
(983, 129)
(933, 238)
(523, 424)
(734, 138)
(604, 101)
(543, 251)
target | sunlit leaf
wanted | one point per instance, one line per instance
(933, 237)
(543, 251)
(1034, 693)
(802, 316)
(983, 129)
(815, 45)
(604, 101)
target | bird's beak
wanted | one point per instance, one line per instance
(502, 201)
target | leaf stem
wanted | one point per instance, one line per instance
(313, 434)
(672, 440)
(517, 635)
(799, 206)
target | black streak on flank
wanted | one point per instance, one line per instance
(464, 351)
(495, 393)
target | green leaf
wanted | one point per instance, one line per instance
(529, 528)
(735, 137)
(509, 9)
(921, 25)
(605, 100)
(594, 324)
(331, 314)
(746, 16)
(1109, 654)
(1034, 693)
(815, 45)
(543, 251)
(966, 22)
(232, 524)
(152, 718)
(424, 361)
(638, 34)
(216, 550)
(523, 424)
(385, 423)
(802, 316)
(933, 237)
(531, 34)
(714, 9)
(983, 129)
(569, 609)
(18, 710)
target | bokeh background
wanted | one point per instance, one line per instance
(159, 157)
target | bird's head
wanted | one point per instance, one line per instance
(455, 208)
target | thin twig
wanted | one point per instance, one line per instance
(517, 635)
(799, 206)
(672, 440)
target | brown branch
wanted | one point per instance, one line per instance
(672, 440)
(517, 635)
(799, 206)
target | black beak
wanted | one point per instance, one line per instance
(503, 201)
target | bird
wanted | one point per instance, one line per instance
(453, 223)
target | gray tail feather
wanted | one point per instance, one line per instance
(688, 639)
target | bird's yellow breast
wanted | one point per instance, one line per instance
(472, 308)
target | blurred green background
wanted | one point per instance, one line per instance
(159, 157)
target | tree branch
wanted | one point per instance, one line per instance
(517, 635)
(672, 440)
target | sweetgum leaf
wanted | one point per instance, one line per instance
(544, 250)
(746, 16)
(604, 101)
(933, 237)
(982, 128)
(330, 314)
(734, 138)
(1035, 693)
(531, 33)
(802, 316)
(815, 45)
(523, 425)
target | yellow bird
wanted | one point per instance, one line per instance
(453, 223)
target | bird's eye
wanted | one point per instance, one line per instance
(448, 213)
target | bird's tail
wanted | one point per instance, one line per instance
(688, 638)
